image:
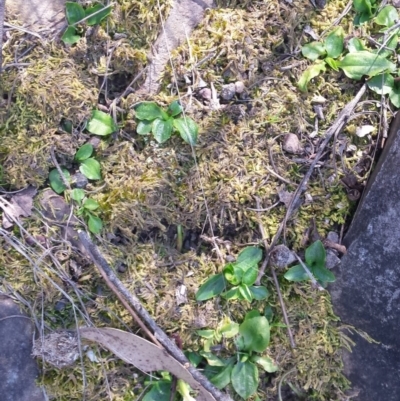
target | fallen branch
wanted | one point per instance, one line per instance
(122, 292)
(334, 129)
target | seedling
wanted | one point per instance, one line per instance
(239, 276)
(162, 124)
(86, 207)
(241, 370)
(315, 259)
(76, 14)
(360, 59)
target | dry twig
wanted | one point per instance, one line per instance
(122, 292)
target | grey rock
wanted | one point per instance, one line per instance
(366, 294)
(332, 260)
(18, 370)
(291, 144)
(79, 180)
(228, 92)
(333, 236)
(282, 256)
(205, 93)
(239, 87)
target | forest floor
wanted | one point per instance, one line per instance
(173, 213)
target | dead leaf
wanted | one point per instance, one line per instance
(20, 205)
(143, 355)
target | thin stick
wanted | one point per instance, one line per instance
(166, 342)
(309, 274)
(275, 278)
(335, 127)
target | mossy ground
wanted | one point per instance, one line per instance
(149, 189)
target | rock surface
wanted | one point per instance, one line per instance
(366, 294)
(18, 370)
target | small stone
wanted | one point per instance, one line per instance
(205, 93)
(282, 256)
(121, 268)
(332, 259)
(78, 180)
(239, 87)
(291, 144)
(94, 141)
(228, 92)
(60, 305)
(332, 236)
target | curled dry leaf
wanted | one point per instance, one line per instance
(143, 355)
(20, 205)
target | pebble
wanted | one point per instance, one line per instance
(282, 256)
(291, 144)
(239, 87)
(228, 91)
(332, 259)
(78, 180)
(205, 93)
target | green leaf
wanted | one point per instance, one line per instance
(255, 333)
(269, 313)
(388, 16)
(70, 37)
(250, 276)
(323, 275)
(248, 257)
(187, 129)
(174, 108)
(74, 12)
(230, 274)
(356, 65)
(90, 168)
(390, 46)
(212, 359)
(245, 292)
(332, 63)
(148, 111)
(95, 224)
(244, 379)
(313, 50)
(363, 6)
(233, 293)
(77, 194)
(144, 127)
(194, 357)
(229, 330)
(252, 314)
(315, 255)
(259, 292)
(90, 204)
(101, 124)
(334, 42)
(394, 96)
(311, 72)
(56, 182)
(84, 152)
(102, 12)
(206, 333)
(162, 130)
(381, 84)
(355, 45)
(265, 362)
(223, 378)
(211, 288)
(296, 273)
(160, 391)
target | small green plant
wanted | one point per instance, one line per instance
(315, 260)
(76, 14)
(101, 124)
(162, 124)
(365, 10)
(241, 370)
(86, 207)
(360, 59)
(239, 276)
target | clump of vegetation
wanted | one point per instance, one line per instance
(162, 124)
